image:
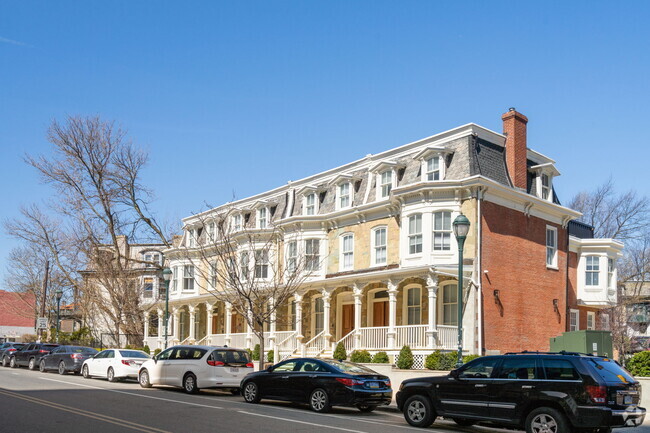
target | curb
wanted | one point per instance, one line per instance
(389, 408)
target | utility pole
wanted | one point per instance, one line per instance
(44, 290)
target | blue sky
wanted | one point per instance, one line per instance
(241, 97)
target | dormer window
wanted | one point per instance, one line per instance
(262, 216)
(191, 237)
(236, 223)
(546, 187)
(344, 195)
(386, 185)
(310, 204)
(544, 174)
(211, 231)
(433, 171)
(152, 259)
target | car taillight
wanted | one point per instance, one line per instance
(129, 363)
(598, 394)
(250, 365)
(215, 363)
(388, 383)
(43, 351)
(76, 356)
(349, 382)
(11, 350)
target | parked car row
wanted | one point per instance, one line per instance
(539, 392)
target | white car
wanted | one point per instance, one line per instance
(114, 364)
(195, 367)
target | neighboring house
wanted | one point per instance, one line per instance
(635, 295)
(143, 270)
(17, 315)
(377, 236)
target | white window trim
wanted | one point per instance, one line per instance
(598, 272)
(452, 239)
(409, 234)
(288, 257)
(540, 191)
(342, 252)
(234, 226)
(441, 302)
(258, 219)
(350, 195)
(591, 315)
(313, 315)
(379, 185)
(405, 303)
(553, 264)
(442, 167)
(577, 316)
(373, 246)
(304, 202)
(193, 277)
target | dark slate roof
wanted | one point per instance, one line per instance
(581, 230)
(489, 160)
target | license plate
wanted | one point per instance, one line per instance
(372, 384)
(234, 369)
(627, 399)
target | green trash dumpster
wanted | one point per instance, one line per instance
(585, 341)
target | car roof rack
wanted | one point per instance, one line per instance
(561, 352)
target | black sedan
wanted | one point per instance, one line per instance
(322, 383)
(30, 355)
(66, 358)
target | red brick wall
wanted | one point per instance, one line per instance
(513, 251)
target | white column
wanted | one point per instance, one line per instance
(432, 287)
(301, 344)
(161, 328)
(272, 346)
(249, 331)
(146, 326)
(228, 322)
(392, 313)
(208, 317)
(326, 318)
(192, 311)
(357, 293)
(177, 325)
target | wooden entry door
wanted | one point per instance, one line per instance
(347, 320)
(380, 313)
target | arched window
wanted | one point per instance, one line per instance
(413, 306)
(319, 315)
(449, 313)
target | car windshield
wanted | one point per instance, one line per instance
(349, 367)
(610, 371)
(133, 354)
(77, 349)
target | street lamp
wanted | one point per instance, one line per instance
(59, 295)
(167, 275)
(461, 227)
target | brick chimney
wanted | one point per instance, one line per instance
(514, 128)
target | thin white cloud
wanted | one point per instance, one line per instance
(11, 41)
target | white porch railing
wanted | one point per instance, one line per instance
(186, 341)
(287, 345)
(218, 339)
(348, 341)
(375, 337)
(447, 337)
(238, 340)
(202, 341)
(316, 345)
(414, 336)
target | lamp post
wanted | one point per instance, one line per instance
(461, 227)
(167, 275)
(59, 295)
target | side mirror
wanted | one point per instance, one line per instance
(269, 369)
(454, 373)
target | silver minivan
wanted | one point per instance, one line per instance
(196, 367)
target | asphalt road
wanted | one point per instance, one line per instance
(31, 401)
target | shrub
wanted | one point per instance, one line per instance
(269, 356)
(448, 361)
(256, 353)
(468, 358)
(360, 356)
(380, 358)
(405, 360)
(250, 353)
(146, 349)
(433, 361)
(639, 364)
(156, 352)
(340, 353)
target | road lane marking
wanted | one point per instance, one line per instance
(135, 395)
(301, 422)
(94, 415)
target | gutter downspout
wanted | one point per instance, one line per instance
(566, 290)
(480, 272)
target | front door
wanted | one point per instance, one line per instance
(380, 313)
(347, 321)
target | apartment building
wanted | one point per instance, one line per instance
(383, 260)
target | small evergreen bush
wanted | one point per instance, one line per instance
(405, 360)
(360, 356)
(639, 364)
(433, 361)
(269, 356)
(448, 361)
(340, 353)
(156, 352)
(468, 358)
(256, 353)
(146, 349)
(380, 358)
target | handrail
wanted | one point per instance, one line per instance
(287, 339)
(343, 340)
(317, 335)
(198, 343)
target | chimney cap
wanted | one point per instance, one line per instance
(511, 109)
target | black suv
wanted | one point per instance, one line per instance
(30, 355)
(541, 392)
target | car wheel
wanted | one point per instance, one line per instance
(41, 366)
(144, 379)
(12, 363)
(110, 375)
(418, 411)
(189, 384)
(85, 372)
(5, 361)
(32, 364)
(464, 422)
(251, 393)
(235, 391)
(62, 367)
(319, 401)
(366, 407)
(546, 420)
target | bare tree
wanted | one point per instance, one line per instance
(96, 175)
(247, 268)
